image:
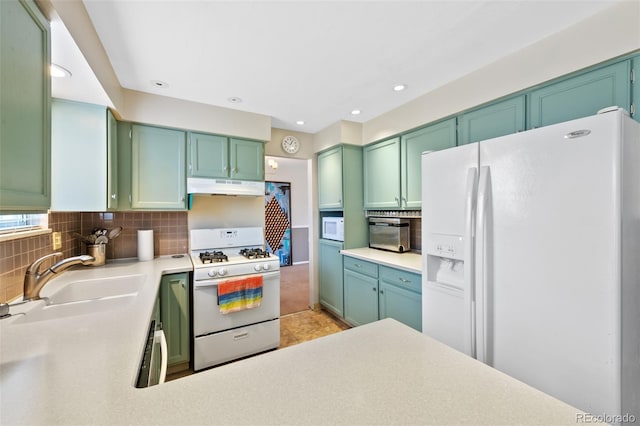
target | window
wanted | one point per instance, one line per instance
(15, 223)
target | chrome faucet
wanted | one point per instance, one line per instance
(34, 280)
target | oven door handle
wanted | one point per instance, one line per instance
(197, 285)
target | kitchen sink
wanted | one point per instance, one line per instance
(87, 296)
(97, 288)
(73, 309)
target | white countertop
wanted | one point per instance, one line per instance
(410, 261)
(82, 372)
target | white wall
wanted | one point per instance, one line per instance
(612, 33)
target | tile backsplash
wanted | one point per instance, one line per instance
(170, 237)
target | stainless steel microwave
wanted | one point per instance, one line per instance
(391, 234)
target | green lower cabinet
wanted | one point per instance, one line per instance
(373, 292)
(498, 119)
(400, 304)
(360, 298)
(174, 314)
(330, 276)
(581, 95)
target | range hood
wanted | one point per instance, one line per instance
(225, 187)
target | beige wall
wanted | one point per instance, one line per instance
(347, 132)
(274, 147)
(171, 112)
(225, 211)
(612, 33)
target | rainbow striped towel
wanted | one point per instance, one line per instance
(236, 295)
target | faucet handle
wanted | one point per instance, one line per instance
(35, 266)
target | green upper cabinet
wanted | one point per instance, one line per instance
(382, 175)
(498, 119)
(25, 96)
(246, 159)
(214, 156)
(208, 155)
(330, 179)
(174, 313)
(158, 175)
(432, 138)
(581, 95)
(112, 162)
(392, 168)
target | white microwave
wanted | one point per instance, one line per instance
(333, 228)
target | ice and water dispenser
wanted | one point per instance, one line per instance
(445, 260)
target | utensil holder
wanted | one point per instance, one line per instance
(98, 252)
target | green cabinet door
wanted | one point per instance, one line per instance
(112, 162)
(581, 95)
(498, 119)
(635, 88)
(208, 156)
(158, 179)
(25, 96)
(174, 314)
(330, 179)
(382, 175)
(360, 298)
(401, 304)
(412, 145)
(330, 276)
(246, 159)
(401, 296)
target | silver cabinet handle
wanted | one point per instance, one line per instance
(397, 200)
(357, 265)
(374, 289)
(113, 196)
(404, 280)
(381, 291)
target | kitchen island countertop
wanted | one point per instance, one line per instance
(410, 261)
(82, 372)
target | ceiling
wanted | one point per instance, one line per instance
(314, 61)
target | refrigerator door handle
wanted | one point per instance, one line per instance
(482, 253)
(469, 273)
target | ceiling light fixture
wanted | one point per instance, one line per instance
(160, 84)
(355, 112)
(234, 100)
(399, 87)
(300, 123)
(58, 71)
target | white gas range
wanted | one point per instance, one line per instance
(228, 254)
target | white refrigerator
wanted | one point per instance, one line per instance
(531, 258)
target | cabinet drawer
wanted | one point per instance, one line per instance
(401, 278)
(361, 266)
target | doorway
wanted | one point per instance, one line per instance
(289, 179)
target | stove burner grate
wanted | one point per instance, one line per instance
(254, 253)
(213, 257)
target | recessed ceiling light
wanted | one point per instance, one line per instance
(355, 112)
(160, 84)
(58, 71)
(234, 100)
(300, 123)
(399, 87)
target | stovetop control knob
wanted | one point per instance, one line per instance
(212, 273)
(222, 272)
(265, 266)
(257, 268)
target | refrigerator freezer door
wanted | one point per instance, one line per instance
(449, 180)
(551, 260)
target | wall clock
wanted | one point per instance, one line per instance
(290, 144)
